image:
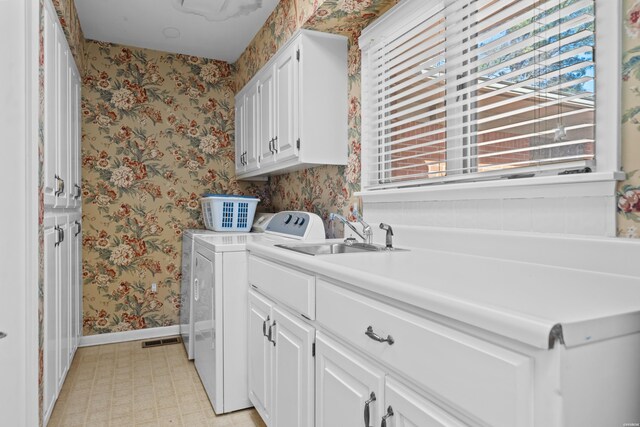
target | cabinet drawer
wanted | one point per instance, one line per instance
(291, 287)
(483, 380)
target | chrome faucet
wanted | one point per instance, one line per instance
(389, 237)
(367, 233)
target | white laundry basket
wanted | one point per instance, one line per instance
(222, 212)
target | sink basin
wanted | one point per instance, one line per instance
(332, 248)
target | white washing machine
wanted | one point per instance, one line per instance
(186, 285)
(220, 312)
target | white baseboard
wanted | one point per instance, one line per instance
(140, 334)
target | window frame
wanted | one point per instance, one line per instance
(606, 172)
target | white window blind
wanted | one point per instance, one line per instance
(480, 89)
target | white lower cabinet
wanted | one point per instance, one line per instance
(281, 373)
(349, 390)
(61, 311)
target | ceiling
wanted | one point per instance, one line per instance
(217, 29)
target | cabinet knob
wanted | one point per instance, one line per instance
(367, 411)
(78, 191)
(79, 229)
(389, 339)
(389, 414)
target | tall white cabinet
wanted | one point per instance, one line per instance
(62, 200)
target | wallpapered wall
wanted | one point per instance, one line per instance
(158, 132)
(629, 190)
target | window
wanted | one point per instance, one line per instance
(480, 89)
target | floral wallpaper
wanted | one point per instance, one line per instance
(326, 188)
(158, 132)
(629, 190)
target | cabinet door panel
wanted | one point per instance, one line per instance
(344, 382)
(74, 137)
(293, 371)
(287, 105)
(76, 282)
(260, 378)
(50, 316)
(267, 113)
(64, 300)
(62, 96)
(50, 108)
(252, 129)
(240, 133)
(412, 410)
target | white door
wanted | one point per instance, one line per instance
(240, 134)
(51, 239)
(260, 354)
(267, 110)
(252, 129)
(349, 390)
(50, 109)
(74, 137)
(292, 370)
(406, 408)
(287, 104)
(62, 122)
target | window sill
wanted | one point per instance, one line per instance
(598, 184)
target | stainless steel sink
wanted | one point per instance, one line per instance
(332, 248)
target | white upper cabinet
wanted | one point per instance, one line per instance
(301, 115)
(61, 118)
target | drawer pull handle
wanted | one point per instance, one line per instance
(264, 326)
(389, 339)
(270, 336)
(389, 414)
(367, 411)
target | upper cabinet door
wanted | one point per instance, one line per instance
(50, 109)
(287, 103)
(293, 371)
(75, 135)
(240, 133)
(62, 105)
(252, 127)
(267, 106)
(349, 390)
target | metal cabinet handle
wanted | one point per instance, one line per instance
(78, 191)
(389, 414)
(196, 289)
(389, 339)
(270, 336)
(276, 146)
(59, 185)
(271, 145)
(367, 411)
(79, 228)
(61, 231)
(60, 237)
(264, 326)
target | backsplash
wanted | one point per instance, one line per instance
(158, 132)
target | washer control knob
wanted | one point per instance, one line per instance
(297, 221)
(301, 222)
(288, 220)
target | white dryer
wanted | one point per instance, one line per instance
(220, 305)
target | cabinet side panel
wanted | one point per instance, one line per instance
(601, 383)
(323, 100)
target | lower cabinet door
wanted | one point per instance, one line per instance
(64, 300)
(349, 390)
(293, 371)
(260, 378)
(405, 408)
(50, 291)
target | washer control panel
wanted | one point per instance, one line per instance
(296, 224)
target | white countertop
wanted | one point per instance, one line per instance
(517, 300)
